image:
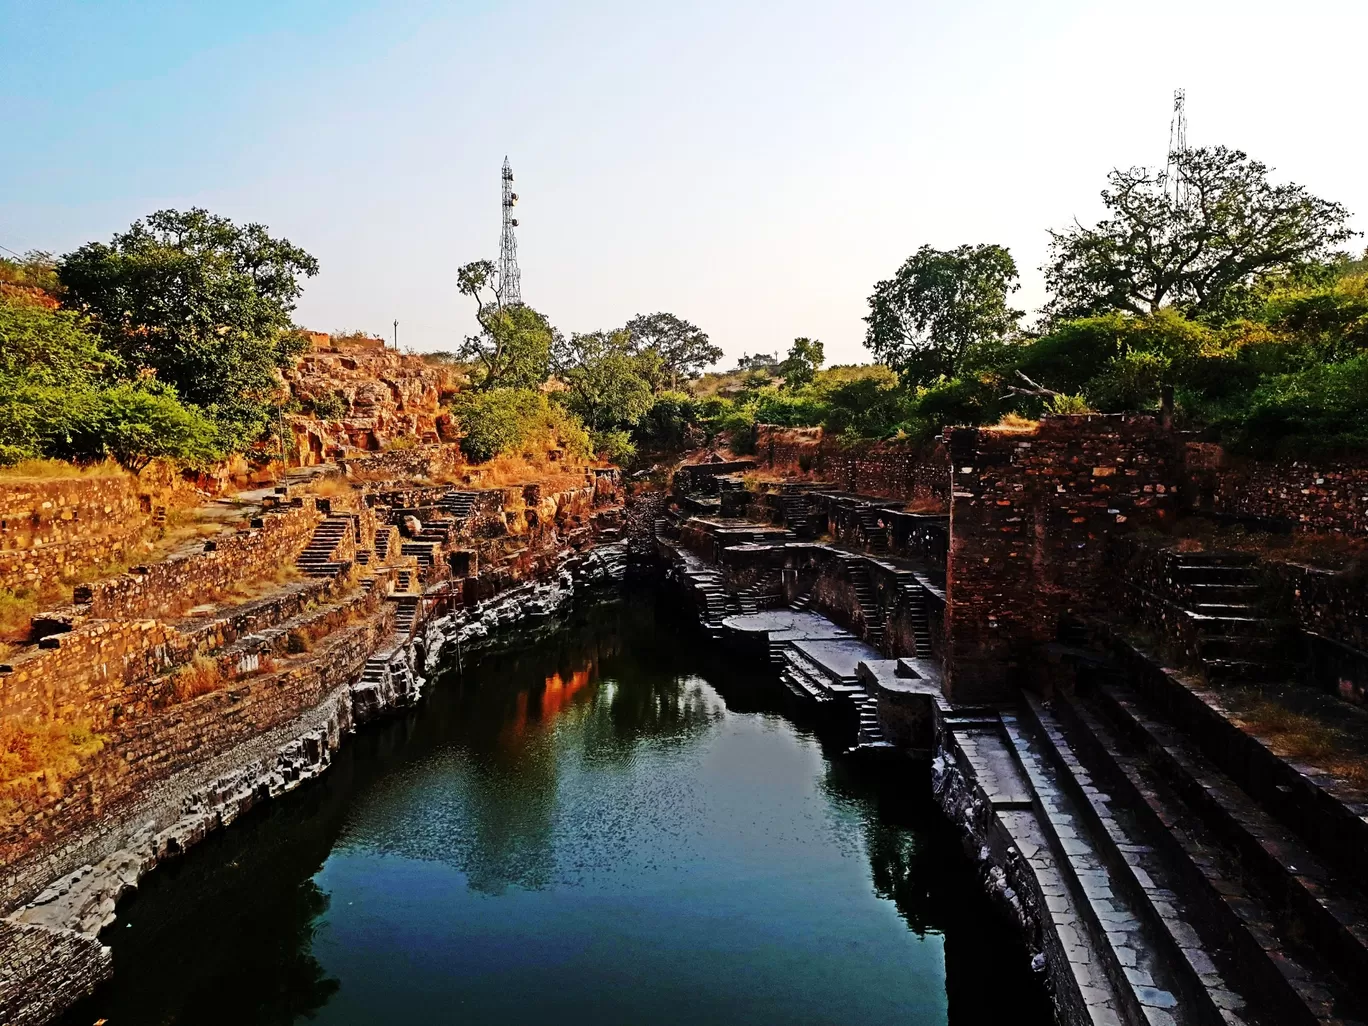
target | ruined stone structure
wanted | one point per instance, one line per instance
(217, 677)
(1163, 864)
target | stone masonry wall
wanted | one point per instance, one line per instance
(52, 528)
(1320, 496)
(139, 751)
(176, 584)
(1030, 516)
(916, 474)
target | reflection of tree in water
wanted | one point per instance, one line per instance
(915, 862)
(225, 936)
(581, 695)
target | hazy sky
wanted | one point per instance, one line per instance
(752, 167)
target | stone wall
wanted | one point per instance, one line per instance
(170, 587)
(1313, 496)
(913, 474)
(421, 461)
(102, 671)
(51, 529)
(1029, 520)
(141, 750)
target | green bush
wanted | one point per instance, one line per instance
(332, 406)
(506, 420)
(666, 424)
(615, 446)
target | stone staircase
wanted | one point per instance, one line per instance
(318, 557)
(871, 614)
(796, 513)
(1239, 642)
(406, 613)
(914, 602)
(1199, 902)
(426, 552)
(873, 528)
(458, 503)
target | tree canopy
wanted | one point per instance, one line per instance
(513, 348)
(804, 360)
(683, 348)
(1202, 252)
(204, 303)
(926, 319)
(60, 396)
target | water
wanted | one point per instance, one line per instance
(602, 828)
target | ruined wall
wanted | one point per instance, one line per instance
(912, 474)
(422, 461)
(37, 814)
(169, 587)
(54, 528)
(1319, 496)
(1029, 520)
(102, 671)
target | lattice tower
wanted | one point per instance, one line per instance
(1175, 180)
(510, 278)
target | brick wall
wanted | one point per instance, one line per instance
(54, 528)
(1320, 496)
(917, 474)
(1029, 520)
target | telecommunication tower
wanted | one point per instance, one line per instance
(1175, 181)
(510, 278)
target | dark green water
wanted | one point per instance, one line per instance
(604, 827)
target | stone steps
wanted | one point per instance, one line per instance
(1203, 880)
(1159, 963)
(1326, 913)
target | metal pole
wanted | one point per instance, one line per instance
(396, 334)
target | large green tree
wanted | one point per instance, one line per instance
(683, 348)
(60, 397)
(1198, 236)
(604, 384)
(513, 347)
(925, 320)
(204, 303)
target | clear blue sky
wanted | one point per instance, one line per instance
(752, 167)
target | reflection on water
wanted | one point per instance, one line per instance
(586, 827)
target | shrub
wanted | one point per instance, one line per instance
(614, 446)
(332, 406)
(505, 420)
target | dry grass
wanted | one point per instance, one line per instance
(1301, 736)
(198, 677)
(51, 750)
(1015, 424)
(51, 470)
(330, 486)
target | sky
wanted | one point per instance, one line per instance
(752, 167)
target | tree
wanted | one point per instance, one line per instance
(513, 349)
(139, 421)
(58, 398)
(802, 363)
(684, 349)
(204, 303)
(1232, 230)
(604, 387)
(924, 320)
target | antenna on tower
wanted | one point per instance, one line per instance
(510, 278)
(1174, 178)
